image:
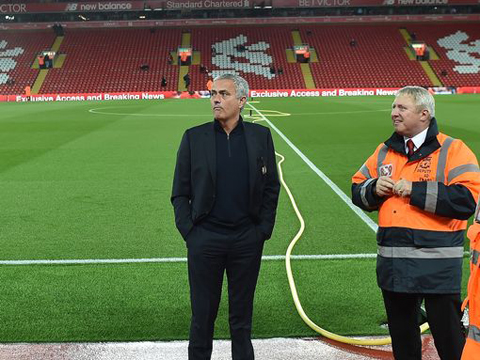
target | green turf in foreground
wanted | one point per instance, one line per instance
(151, 301)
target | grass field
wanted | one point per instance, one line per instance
(92, 180)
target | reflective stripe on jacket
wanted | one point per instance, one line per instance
(472, 346)
(420, 238)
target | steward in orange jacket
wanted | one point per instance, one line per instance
(472, 347)
(424, 185)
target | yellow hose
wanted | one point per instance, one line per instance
(293, 289)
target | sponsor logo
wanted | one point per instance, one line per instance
(206, 4)
(71, 7)
(414, 2)
(99, 6)
(323, 3)
(431, 2)
(114, 6)
(13, 8)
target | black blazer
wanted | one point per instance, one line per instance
(193, 193)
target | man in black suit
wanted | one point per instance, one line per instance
(225, 195)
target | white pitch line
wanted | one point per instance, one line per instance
(92, 261)
(183, 260)
(324, 177)
(175, 260)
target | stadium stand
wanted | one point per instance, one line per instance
(114, 60)
(17, 55)
(376, 59)
(458, 49)
(111, 60)
(263, 47)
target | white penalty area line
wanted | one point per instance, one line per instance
(324, 177)
(176, 260)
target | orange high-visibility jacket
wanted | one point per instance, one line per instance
(420, 238)
(472, 346)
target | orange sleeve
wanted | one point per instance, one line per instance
(462, 168)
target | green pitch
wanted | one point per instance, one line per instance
(92, 180)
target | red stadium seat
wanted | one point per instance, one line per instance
(448, 68)
(30, 43)
(104, 60)
(278, 38)
(377, 59)
(107, 60)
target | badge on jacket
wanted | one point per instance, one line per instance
(386, 170)
(264, 170)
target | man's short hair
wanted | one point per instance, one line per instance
(241, 85)
(421, 97)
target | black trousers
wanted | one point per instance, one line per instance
(210, 254)
(443, 315)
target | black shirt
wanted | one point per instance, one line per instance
(232, 185)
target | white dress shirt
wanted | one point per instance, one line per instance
(418, 140)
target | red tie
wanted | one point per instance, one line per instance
(410, 146)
